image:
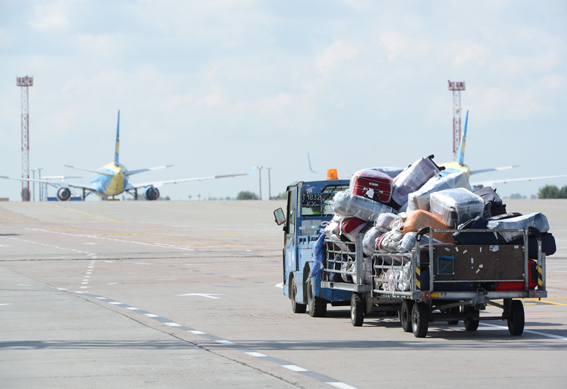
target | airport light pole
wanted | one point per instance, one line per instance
(25, 83)
(39, 169)
(260, 175)
(269, 184)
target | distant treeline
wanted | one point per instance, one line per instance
(552, 192)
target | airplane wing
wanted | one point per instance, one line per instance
(494, 169)
(91, 171)
(158, 184)
(505, 181)
(55, 184)
(130, 172)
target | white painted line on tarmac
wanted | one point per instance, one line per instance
(133, 308)
(6, 304)
(255, 354)
(101, 298)
(150, 315)
(172, 324)
(23, 285)
(340, 385)
(528, 331)
(208, 295)
(225, 342)
(113, 283)
(280, 285)
(197, 332)
(114, 302)
(294, 368)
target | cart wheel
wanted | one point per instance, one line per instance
(295, 306)
(420, 319)
(356, 310)
(405, 315)
(471, 324)
(317, 305)
(453, 310)
(516, 319)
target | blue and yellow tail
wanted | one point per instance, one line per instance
(461, 153)
(117, 151)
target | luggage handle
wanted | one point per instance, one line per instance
(421, 232)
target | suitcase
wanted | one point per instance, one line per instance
(494, 203)
(369, 240)
(520, 285)
(537, 220)
(548, 246)
(349, 205)
(480, 238)
(372, 184)
(420, 198)
(456, 206)
(351, 227)
(384, 221)
(412, 178)
(419, 219)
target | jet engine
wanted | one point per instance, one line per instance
(63, 194)
(151, 193)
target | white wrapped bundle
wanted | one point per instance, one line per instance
(348, 205)
(456, 206)
(413, 178)
(420, 199)
(369, 240)
(537, 220)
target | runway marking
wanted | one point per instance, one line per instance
(528, 331)
(294, 368)
(255, 354)
(84, 213)
(163, 245)
(245, 350)
(211, 295)
(114, 302)
(23, 285)
(280, 285)
(133, 308)
(6, 304)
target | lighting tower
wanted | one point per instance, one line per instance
(25, 82)
(456, 87)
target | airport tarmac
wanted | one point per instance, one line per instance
(188, 294)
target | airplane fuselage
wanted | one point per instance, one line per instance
(110, 185)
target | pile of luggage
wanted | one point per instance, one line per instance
(389, 211)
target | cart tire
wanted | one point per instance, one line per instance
(317, 305)
(295, 306)
(453, 322)
(356, 310)
(471, 324)
(516, 319)
(420, 319)
(405, 315)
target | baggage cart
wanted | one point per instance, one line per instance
(434, 283)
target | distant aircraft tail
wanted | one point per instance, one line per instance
(117, 151)
(461, 153)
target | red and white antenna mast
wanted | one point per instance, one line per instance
(456, 87)
(25, 82)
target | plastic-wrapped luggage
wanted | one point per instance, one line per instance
(456, 206)
(369, 240)
(493, 202)
(537, 220)
(420, 198)
(412, 178)
(384, 221)
(419, 219)
(352, 227)
(349, 205)
(372, 184)
(390, 171)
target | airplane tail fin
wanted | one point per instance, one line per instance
(461, 153)
(310, 167)
(117, 151)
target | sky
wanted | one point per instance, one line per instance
(209, 86)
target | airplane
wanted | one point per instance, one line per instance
(113, 179)
(458, 165)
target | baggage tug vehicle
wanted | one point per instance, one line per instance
(431, 283)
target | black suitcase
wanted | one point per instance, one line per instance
(490, 197)
(469, 238)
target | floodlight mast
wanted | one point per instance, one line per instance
(25, 83)
(456, 87)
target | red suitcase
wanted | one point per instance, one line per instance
(372, 184)
(351, 227)
(520, 285)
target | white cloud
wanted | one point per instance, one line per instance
(50, 17)
(470, 54)
(335, 54)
